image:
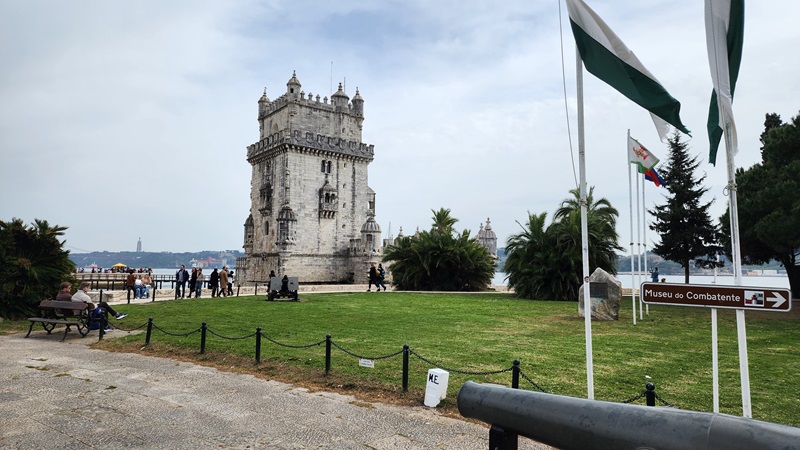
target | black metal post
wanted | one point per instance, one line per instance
(500, 439)
(327, 354)
(238, 288)
(203, 338)
(650, 394)
(129, 296)
(256, 289)
(258, 345)
(405, 367)
(149, 331)
(101, 295)
(515, 374)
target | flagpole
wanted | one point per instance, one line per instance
(638, 245)
(630, 207)
(644, 239)
(744, 367)
(587, 301)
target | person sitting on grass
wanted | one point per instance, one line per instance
(82, 296)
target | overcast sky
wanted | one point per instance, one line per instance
(124, 119)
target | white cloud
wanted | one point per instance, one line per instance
(122, 119)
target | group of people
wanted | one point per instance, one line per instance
(376, 276)
(220, 282)
(139, 285)
(65, 294)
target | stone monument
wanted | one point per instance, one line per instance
(605, 293)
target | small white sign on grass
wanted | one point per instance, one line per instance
(366, 363)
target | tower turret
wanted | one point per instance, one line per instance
(339, 99)
(263, 105)
(358, 108)
(293, 86)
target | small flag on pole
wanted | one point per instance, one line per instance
(724, 38)
(652, 175)
(607, 57)
(639, 155)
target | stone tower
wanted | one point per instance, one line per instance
(487, 238)
(312, 212)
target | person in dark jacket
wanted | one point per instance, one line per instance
(181, 277)
(213, 282)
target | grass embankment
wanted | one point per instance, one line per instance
(481, 333)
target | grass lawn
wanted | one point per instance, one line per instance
(485, 333)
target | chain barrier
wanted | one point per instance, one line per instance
(664, 402)
(131, 329)
(633, 399)
(525, 377)
(175, 334)
(374, 358)
(264, 336)
(230, 338)
(462, 372)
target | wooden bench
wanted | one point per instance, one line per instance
(67, 313)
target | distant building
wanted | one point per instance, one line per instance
(487, 238)
(139, 246)
(312, 212)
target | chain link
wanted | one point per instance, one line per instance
(131, 329)
(291, 346)
(175, 334)
(374, 358)
(462, 372)
(633, 399)
(230, 338)
(525, 377)
(664, 402)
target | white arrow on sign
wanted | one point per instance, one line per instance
(778, 300)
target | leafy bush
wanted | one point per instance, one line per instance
(32, 265)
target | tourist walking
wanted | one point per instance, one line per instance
(199, 278)
(130, 283)
(223, 281)
(381, 276)
(181, 277)
(213, 282)
(192, 281)
(373, 278)
(231, 280)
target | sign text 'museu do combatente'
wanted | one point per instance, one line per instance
(735, 297)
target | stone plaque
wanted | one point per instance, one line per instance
(598, 290)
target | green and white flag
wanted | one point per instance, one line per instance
(607, 57)
(724, 38)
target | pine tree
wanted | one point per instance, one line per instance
(683, 222)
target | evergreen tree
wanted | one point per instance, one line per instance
(683, 222)
(768, 203)
(32, 266)
(440, 259)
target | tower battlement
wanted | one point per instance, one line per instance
(310, 141)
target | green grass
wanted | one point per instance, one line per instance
(486, 332)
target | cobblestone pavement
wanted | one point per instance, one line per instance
(65, 395)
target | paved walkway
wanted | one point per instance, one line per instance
(65, 395)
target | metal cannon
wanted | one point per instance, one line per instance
(575, 423)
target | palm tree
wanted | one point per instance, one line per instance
(545, 262)
(440, 259)
(32, 265)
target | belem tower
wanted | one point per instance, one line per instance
(312, 212)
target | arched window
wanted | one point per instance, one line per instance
(322, 167)
(329, 167)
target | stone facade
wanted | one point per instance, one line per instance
(312, 210)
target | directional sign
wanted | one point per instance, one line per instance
(713, 296)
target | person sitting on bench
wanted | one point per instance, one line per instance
(81, 296)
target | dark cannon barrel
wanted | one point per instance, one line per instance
(576, 423)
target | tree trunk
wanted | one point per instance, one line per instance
(793, 272)
(686, 272)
